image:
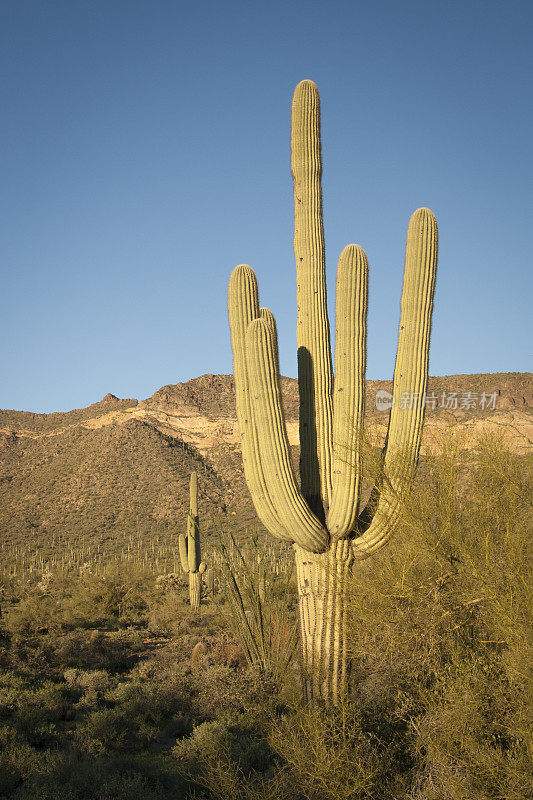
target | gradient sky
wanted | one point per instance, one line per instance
(145, 153)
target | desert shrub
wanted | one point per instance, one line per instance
(309, 754)
(117, 776)
(260, 607)
(233, 742)
(87, 689)
(227, 652)
(471, 740)
(19, 760)
(33, 614)
(219, 688)
(208, 622)
(441, 625)
(157, 711)
(12, 687)
(96, 650)
(219, 739)
(36, 724)
(105, 730)
(337, 755)
(121, 592)
(165, 615)
(98, 681)
(31, 702)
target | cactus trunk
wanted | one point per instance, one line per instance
(189, 547)
(323, 581)
(195, 590)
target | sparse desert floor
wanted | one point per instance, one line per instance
(106, 692)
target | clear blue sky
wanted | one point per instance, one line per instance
(145, 153)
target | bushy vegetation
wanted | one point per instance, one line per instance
(100, 698)
(443, 625)
(257, 582)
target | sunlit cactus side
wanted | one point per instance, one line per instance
(323, 516)
(189, 547)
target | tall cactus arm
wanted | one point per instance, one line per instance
(243, 306)
(305, 527)
(193, 543)
(268, 316)
(193, 533)
(410, 382)
(193, 494)
(349, 391)
(315, 371)
(184, 553)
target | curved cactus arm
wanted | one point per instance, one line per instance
(243, 306)
(410, 383)
(315, 371)
(349, 390)
(184, 555)
(268, 316)
(271, 435)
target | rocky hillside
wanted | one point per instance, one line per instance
(120, 468)
(202, 411)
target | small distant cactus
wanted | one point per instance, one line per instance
(189, 546)
(323, 516)
(209, 580)
(199, 652)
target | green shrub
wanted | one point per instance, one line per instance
(234, 740)
(441, 624)
(166, 615)
(120, 593)
(96, 650)
(106, 730)
(35, 614)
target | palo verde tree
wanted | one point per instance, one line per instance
(322, 516)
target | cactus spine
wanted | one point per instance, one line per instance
(323, 518)
(189, 547)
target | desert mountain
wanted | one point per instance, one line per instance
(99, 476)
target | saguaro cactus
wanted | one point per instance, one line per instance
(189, 546)
(323, 517)
(209, 581)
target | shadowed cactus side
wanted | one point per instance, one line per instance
(323, 516)
(189, 547)
(209, 581)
